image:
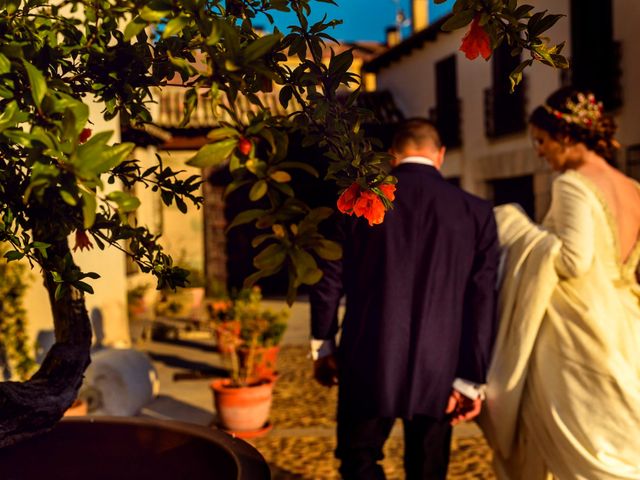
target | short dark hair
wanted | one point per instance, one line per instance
(419, 131)
(553, 116)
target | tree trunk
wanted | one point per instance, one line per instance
(33, 407)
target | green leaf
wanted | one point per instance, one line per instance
(306, 268)
(515, 77)
(246, 217)
(522, 11)
(13, 255)
(68, 198)
(544, 24)
(83, 286)
(190, 104)
(459, 20)
(285, 95)
(61, 291)
(151, 15)
(340, 64)
(329, 250)
(134, 28)
(125, 201)
(37, 81)
(214, 36)
(111, 157)
(254, 277)
(89, 205)
(213, 154)
(7, 119)
(280, 176)
(233, 186)
(258, 190)
(5, 64)
(257, 241)
(175, 26)
(261, 46)
(183, 65)
(271, 257)
(301, 166)
(41, 247)
(222, 133)
(320, 213)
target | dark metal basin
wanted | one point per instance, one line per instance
(115, 448)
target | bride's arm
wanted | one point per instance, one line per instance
(573, 224)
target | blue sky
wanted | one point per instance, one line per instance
(363, 19)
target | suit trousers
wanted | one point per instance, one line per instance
(427, 443)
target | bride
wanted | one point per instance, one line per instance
(563, 396)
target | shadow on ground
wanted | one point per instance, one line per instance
(195, 369)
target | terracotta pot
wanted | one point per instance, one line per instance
(227, 336)
(243, 409)
(126, 448)
(264, 361)
(78, 408)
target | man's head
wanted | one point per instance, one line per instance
(417, 137)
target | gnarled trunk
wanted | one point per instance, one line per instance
(33, 407)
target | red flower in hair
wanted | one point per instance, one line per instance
(348, 199)
(476, 41)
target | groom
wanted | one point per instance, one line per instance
(419, 324)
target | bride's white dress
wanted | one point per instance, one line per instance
(563, 398)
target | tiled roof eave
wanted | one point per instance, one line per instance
(414, 42)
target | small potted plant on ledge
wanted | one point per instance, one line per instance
(225, 327)
(261, 333)
(243, 402)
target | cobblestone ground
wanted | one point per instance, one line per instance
(302, 442)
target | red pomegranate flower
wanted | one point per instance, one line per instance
(388, 190)
(476, 41)
(82, 241)
(84, 135)
(348, 199)
(244, 146)
(370, 207)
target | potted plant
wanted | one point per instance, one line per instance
(225, 327)
(243, 401)
(261, 333)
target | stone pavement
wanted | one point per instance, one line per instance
(301, 443)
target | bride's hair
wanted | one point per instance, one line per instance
(579, 116)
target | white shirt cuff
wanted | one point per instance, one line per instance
(322, 348)
(469, 389)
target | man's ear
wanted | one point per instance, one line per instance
(395, 158)
(439, 160)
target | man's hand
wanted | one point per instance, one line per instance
(461, 408)
(325, 370)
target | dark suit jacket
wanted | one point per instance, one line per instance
(420, 299)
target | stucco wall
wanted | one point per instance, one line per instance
(411, 79)
(107, 306)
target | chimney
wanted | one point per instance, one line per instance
(393, 36)
(419, 15)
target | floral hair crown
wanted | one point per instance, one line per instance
(585, 112)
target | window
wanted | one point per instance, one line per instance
(595, 59)
(446, 114)
(515, 190)
(504, 111)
